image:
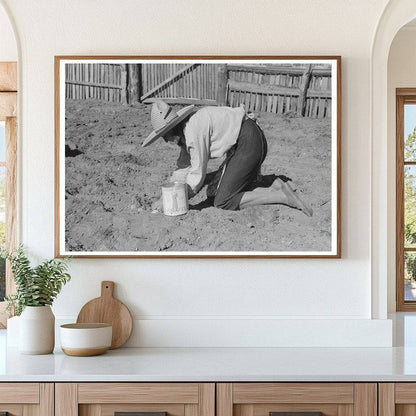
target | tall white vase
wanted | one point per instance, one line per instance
(13, 331)
(37, 330)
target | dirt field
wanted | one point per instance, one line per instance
(111, 182)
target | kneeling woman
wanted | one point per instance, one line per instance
(215, 132)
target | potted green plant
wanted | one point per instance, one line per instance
(36, 289)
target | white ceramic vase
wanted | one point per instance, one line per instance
(13, 331)
(37, 330)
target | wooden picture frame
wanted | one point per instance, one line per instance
(105, 182)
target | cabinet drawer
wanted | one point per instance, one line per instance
(138, 393)
(19, 393)
(152, 399)
(296, 399)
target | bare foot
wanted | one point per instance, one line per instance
(295, 201)
(276, 186)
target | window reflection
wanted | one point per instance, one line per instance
(2, 207)
(409, 202)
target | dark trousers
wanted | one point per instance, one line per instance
(243, 162)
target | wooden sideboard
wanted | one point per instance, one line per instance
(207, 399)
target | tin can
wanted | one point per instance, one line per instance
(175, 199)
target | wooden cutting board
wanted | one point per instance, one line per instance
(107, 309)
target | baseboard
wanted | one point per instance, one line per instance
(165, 332)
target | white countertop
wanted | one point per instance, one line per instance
(213, 364)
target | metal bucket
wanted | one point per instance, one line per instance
(175, 199)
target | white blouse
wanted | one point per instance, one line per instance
(209, 134)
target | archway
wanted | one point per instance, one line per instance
(396, 14)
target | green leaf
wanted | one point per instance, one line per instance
(35, 286)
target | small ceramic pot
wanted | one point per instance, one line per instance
(37, 330)
(83, 340)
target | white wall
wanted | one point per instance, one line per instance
(179, 302)
(8, 47)
(401, 74)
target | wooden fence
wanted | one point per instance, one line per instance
(94, 81)
(303, 90)
(300, 89)
(180, 83)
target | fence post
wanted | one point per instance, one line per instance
(222, 77)
(133, 79)
(306, 79)
(123, 84)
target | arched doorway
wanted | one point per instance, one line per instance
(396, 14)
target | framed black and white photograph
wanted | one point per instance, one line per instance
(197, 156)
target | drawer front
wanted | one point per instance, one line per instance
(144, 399)
(19, 393)
(251, 393)
(138, 393)
(296, 399)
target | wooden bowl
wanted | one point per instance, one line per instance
(84, 340)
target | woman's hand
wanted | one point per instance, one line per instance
(179, 175)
